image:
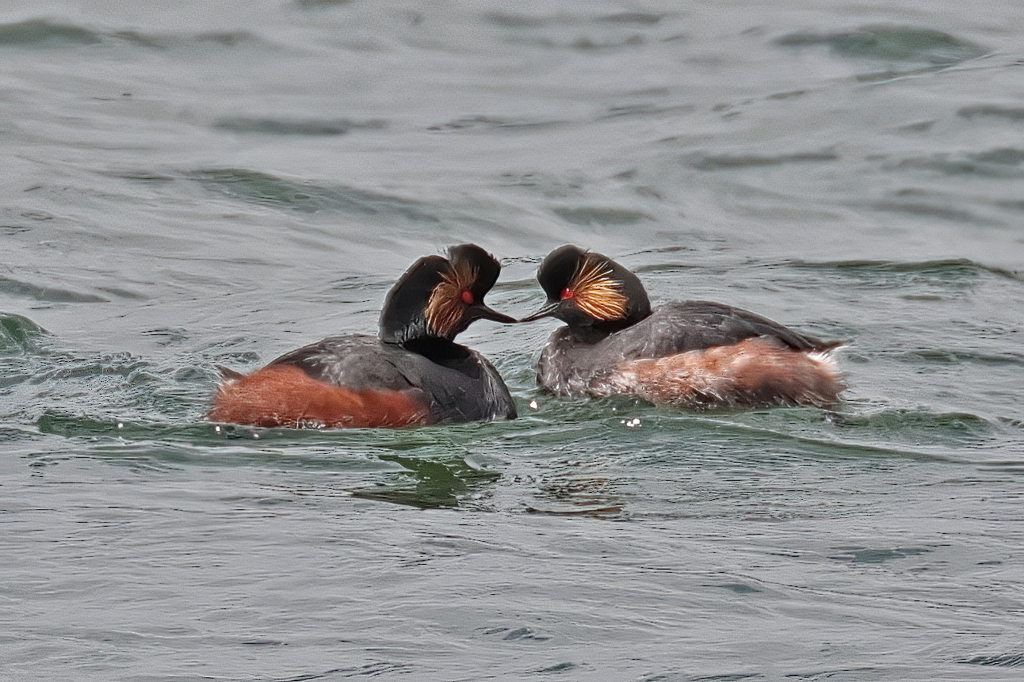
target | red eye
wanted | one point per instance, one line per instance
(467, 296)
(566, 293)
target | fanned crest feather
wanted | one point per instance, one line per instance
(445, 305)
(596, 291)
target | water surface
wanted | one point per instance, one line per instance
(217, 183)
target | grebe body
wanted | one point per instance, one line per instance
(691, 354)
(412, 373)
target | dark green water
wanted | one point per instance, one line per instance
(217, 183)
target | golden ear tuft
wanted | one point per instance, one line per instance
(596, 291)
(445, 305)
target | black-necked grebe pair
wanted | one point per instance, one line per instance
(692, 354)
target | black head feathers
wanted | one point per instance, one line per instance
(440, 297)
(587, 289)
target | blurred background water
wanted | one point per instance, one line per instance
(193, 183)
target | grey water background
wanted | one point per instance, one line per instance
(193, 183)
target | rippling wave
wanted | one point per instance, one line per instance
(890, 42)
(217, 186)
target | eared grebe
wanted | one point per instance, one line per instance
(693, 354)
(412, 373)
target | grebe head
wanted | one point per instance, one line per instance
(588, 290)
(440, 297)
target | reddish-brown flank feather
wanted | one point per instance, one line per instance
(755, 371)
(283, 395)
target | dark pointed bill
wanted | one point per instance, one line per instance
(547, 311)
(480, 311)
